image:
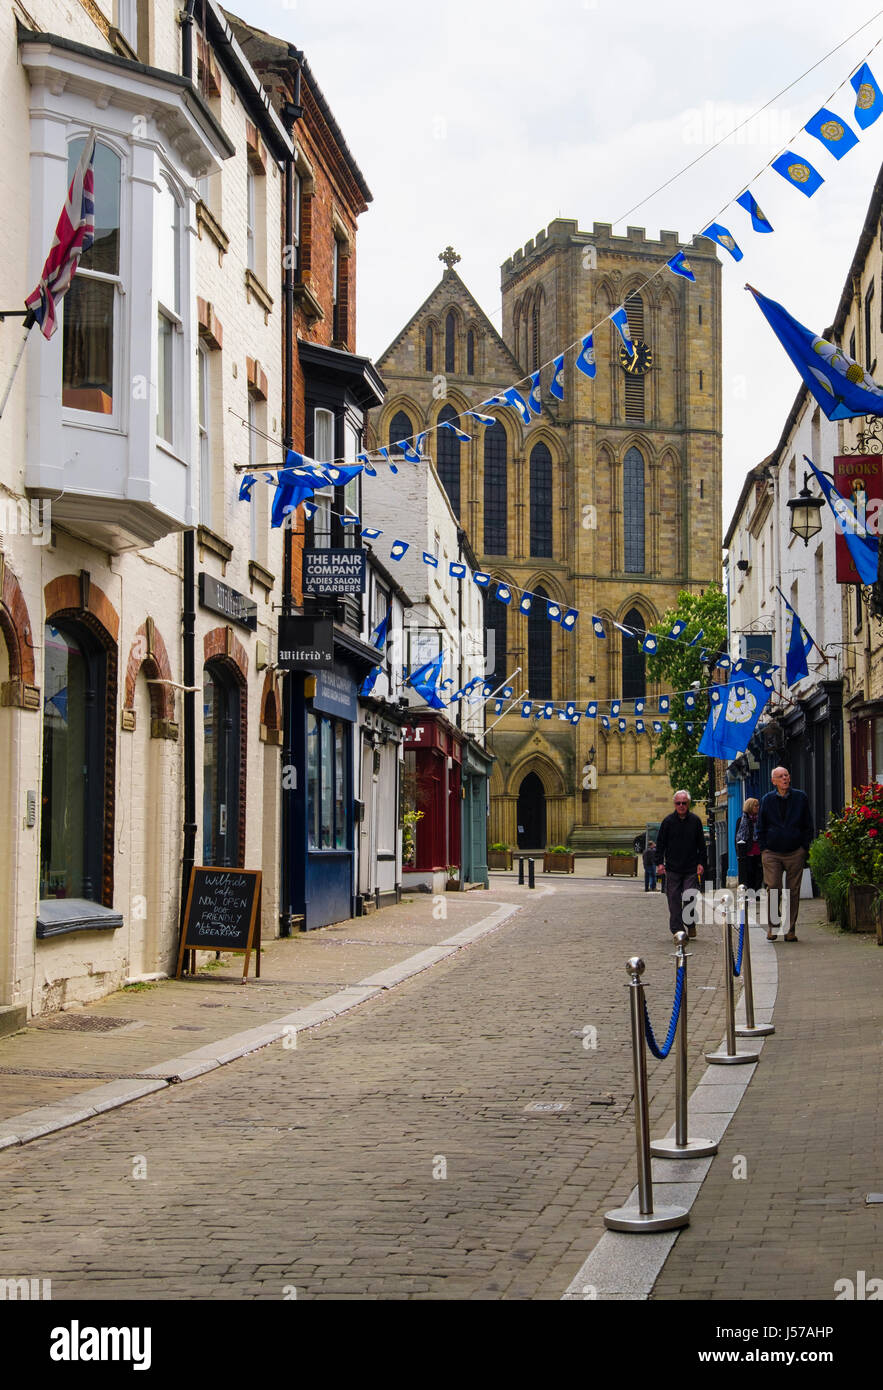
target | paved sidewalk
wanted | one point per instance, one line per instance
(89, 1058)
(782, 1213)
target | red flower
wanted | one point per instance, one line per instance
(872, 832)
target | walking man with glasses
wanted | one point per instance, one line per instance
(681, 853)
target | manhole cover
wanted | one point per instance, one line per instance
(80, 1023)
(547, 1107)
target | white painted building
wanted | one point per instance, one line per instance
(126, 427)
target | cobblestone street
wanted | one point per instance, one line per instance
(389, 1154)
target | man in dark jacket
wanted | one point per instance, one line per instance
(680, 849)
(784, 832)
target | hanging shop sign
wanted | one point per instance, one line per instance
(859, 479)
(306, 644)
(220, 598)
(336, 695)
(334, 572)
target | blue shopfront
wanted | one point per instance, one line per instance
(324, 811)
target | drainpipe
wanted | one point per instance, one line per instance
(188, 607)
(291, 112)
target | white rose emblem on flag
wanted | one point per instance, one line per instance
(740, 707)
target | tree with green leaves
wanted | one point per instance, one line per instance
(681, 666)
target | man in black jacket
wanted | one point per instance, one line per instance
(784, 832)
(680, 849)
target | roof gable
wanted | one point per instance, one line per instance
(500, 364)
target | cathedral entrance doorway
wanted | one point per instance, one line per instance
(531, 813)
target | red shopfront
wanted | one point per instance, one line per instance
(431, 785)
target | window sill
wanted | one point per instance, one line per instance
(205, 218)
(308, 303)
(258, 575)
(56, 916)
(254, 288)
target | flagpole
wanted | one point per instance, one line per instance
(29, 322)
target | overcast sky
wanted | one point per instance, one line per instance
(475, 122)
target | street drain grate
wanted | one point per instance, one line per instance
(81, 1023)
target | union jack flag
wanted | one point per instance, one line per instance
(73, 235)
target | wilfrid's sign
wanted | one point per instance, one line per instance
(220, 598)
(306, 644)
(334, 572)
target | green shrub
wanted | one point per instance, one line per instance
(823, 859)
(500, 847)
(557, 849)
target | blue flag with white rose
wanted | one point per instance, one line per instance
(733, 718)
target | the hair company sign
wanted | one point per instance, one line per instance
(334, 572)
(305, 644)
(220, 598)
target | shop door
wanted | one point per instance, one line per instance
(531, 813)
(221, 754)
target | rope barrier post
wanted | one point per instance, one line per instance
(531, 865)
(731, 1057)
(683, 1147)
(642, 1218)
(749, 1029)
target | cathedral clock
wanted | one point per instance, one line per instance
(638, 365)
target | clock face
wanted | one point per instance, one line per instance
(640, 363)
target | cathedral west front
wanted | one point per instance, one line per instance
(608, 502)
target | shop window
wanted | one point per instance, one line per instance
(90, 371)
(222, 713)
(327, 783)
(540, 501)
(447, 449)
(74, 739)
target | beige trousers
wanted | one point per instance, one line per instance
(792, 866)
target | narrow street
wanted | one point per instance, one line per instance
(390, 1153)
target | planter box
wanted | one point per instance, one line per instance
(862, 908)
(625, 865)
(557, 863)
(499, 859)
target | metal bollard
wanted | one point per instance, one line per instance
(530, 873)
(521, 869)
(731, 1057)
(642, 1218)
(682, 1146)
(749, 1029)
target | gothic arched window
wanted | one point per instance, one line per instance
(447, 456)
(535, 336)
(633, 511)
(539, 648)
(540, 500)
(495, 501)
(400, 428)
(634, 663)
(450, 341)
(495, 615)
(429, 347)
(470, 353)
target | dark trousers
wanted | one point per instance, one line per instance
(676, 886)
(650, 880)
(750, 870)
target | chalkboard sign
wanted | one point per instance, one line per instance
(222, 913)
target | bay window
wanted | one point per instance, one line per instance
(167, 273)
(91, 306)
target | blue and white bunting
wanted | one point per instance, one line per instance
(456, 570)
(614, 706)
(534, 402)
(724, 237)
(409, 452)
(398, 549)
(677, 628)
(504, 593)
(639, 707)
(798, 172)
(598, 627)
(526, 708)
(657, 726)
(622, 726)
(605, 722)
(553, 611)
(514, 398)
(482, 419)
(868, 97)
(759, 220)
(837, 137)
(526, 603)
(431, 560)
(620, 320)
(555, 387)
(463, 437)
(365, 461)
(585, 359)
(679, 265)
(481, 579)
(591, 710)
(639, 726)
(664, 704)
(650, 643)
(370, 533)
(569, 619)
(548, 711)
(698, 638)
(246, 486)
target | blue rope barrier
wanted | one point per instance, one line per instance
(737, 964)
(654, 1047)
